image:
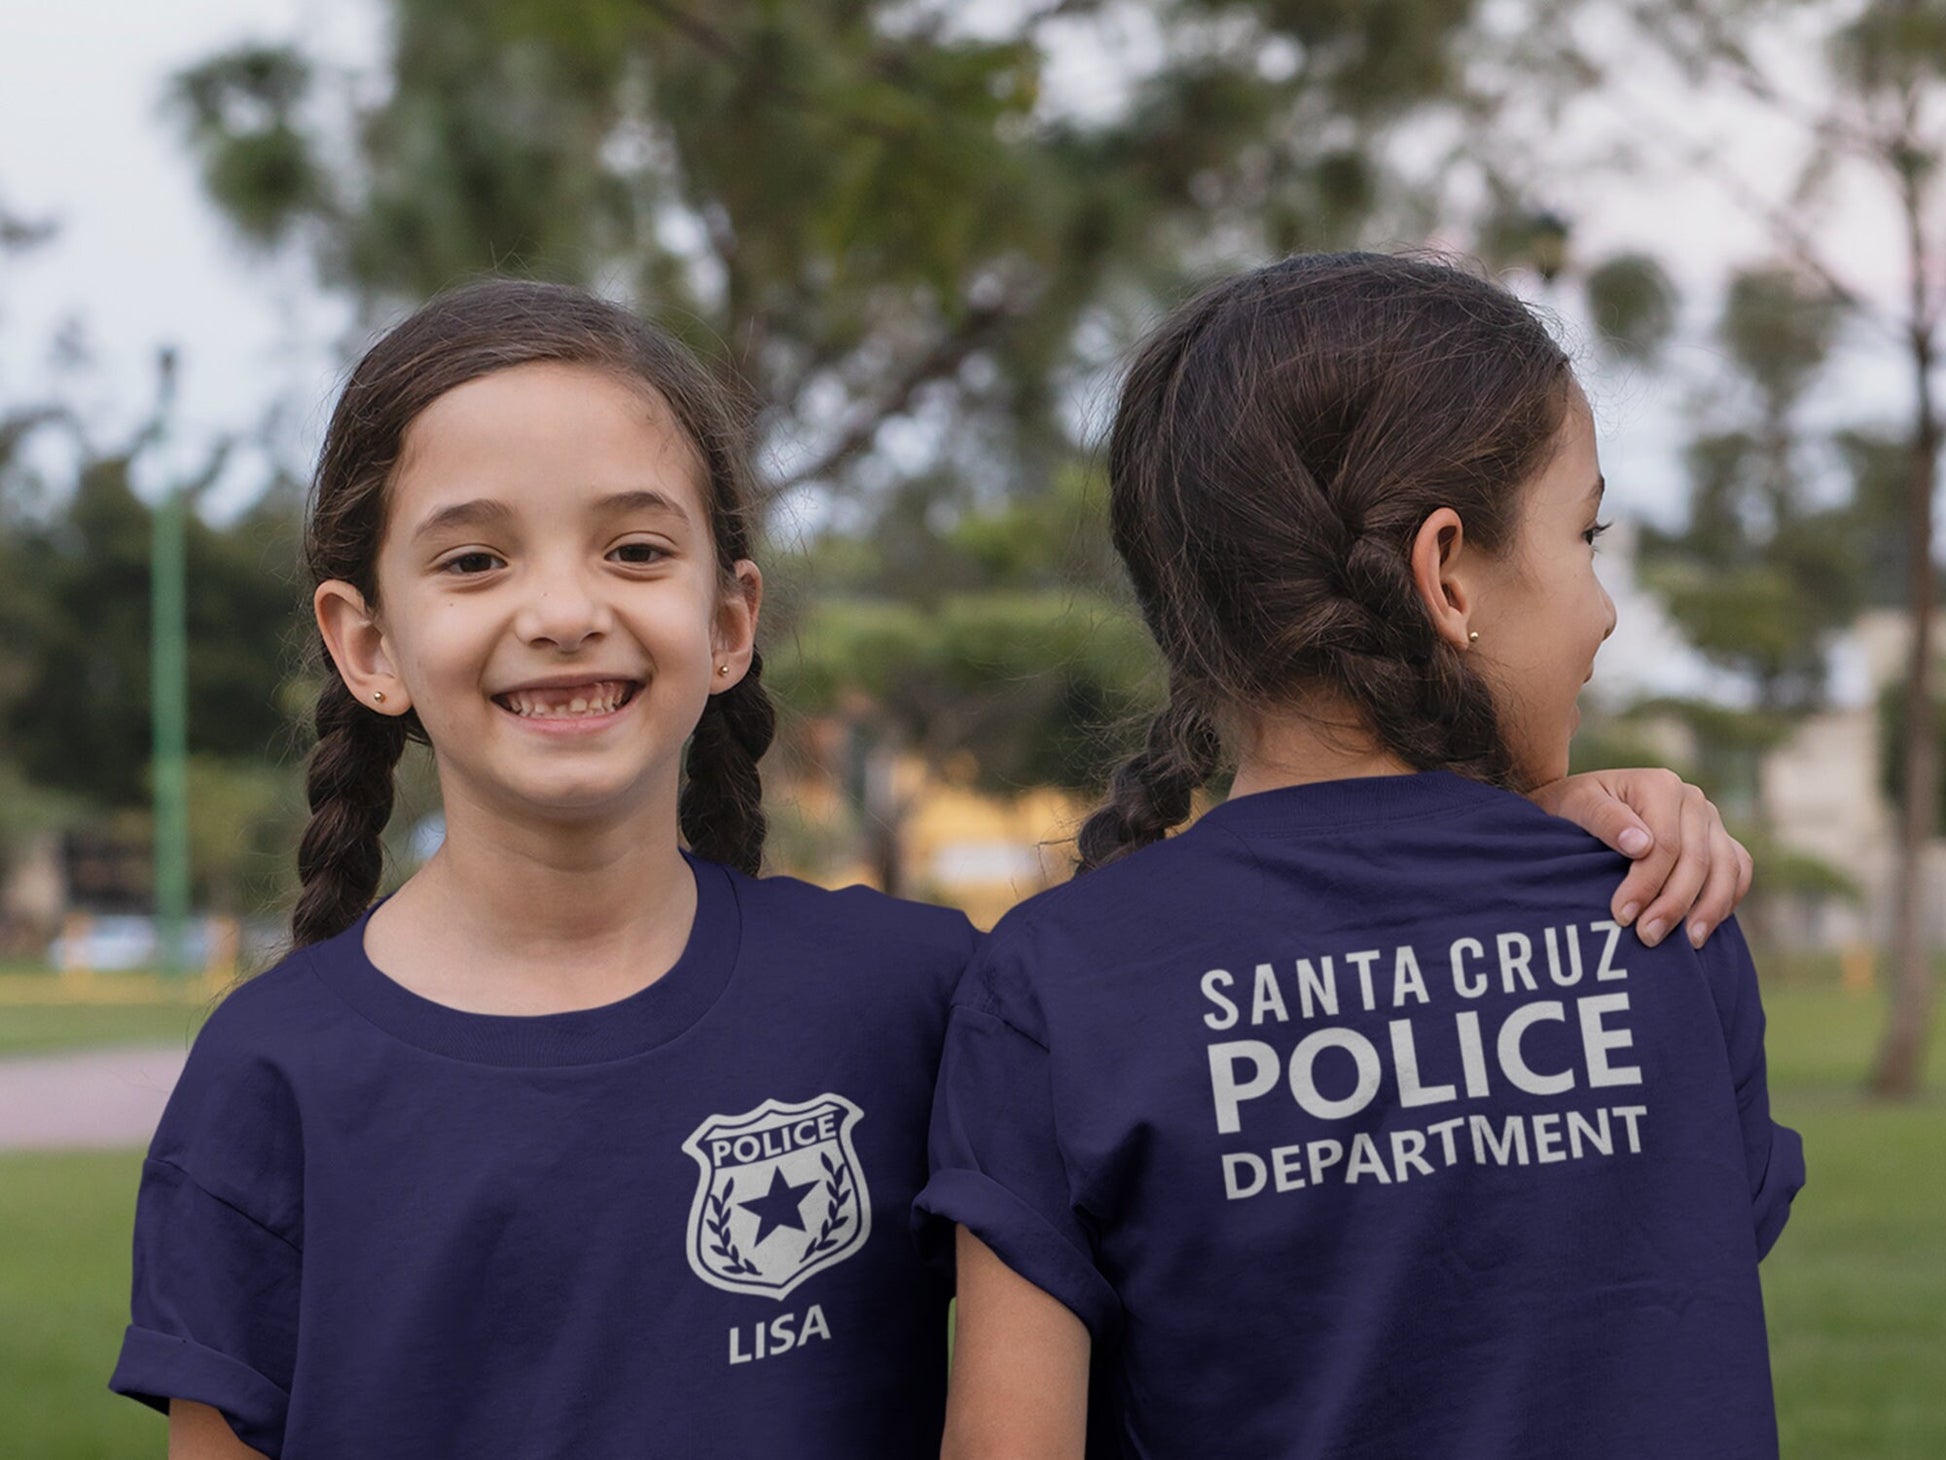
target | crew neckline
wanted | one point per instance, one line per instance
(1321, 808)
(632, 1025)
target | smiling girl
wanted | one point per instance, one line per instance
(581, 1143)
(1348, 1122)
(578, 1144)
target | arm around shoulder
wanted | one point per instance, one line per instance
(1020, 1366)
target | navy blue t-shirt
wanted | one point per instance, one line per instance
(679, 1225)
(1351, 1125)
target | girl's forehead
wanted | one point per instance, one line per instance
(1570, 481)
(543, 437)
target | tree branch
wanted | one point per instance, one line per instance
(946, 356)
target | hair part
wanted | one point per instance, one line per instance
(458, 336)
(1279, 441)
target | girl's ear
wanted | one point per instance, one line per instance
(733, 636)
(1444, 569)
(357, 646)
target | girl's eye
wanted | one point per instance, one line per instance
(451, 563)
(654, 553)
(1596, 531)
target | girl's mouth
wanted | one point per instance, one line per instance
(596, 702)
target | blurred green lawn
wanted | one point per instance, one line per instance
(39, 1028)
(1856, 1288)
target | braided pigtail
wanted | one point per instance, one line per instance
(721, 812)
(1151, 792)
(349, 784)
(1280, 443)
(1419, 697)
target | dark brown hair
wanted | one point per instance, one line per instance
(1279, 441)
(459, 336)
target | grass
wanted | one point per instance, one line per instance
(42, 1028)
(41, 1011)
(64, 1258)
(1856, 1289)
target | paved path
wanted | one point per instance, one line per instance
(85, 1098)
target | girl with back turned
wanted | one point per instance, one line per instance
(1348, 1122)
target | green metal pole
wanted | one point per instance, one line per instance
(169, 696)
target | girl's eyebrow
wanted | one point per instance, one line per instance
(1601, 485)
(487, 510)
(617, 505)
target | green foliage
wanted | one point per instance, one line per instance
(245, 819)
(992, 631)
(1892, 701)
(860, 209)
(1759, 578)
(80, 721)
(1891, 47)
(1880, 466)
(1779, 327)
(241, 107)
(1633, 302)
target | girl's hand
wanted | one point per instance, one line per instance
(1687, 867)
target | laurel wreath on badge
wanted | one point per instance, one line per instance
(725, 1246)
(837, 1190)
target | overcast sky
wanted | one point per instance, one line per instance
(141, 260)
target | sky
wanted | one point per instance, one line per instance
(141, 261)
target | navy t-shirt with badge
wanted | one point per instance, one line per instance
(677, 1225)
(1351, 1125)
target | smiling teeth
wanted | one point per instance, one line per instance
(608, 695)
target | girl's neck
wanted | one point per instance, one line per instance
(1296, 747)
(538, 919)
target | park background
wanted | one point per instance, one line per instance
(925, 235)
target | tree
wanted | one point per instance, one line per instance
(80, 722)
(1761, 576)
(866, 210)
(1874, 121)
(990, 645)
(878, 219)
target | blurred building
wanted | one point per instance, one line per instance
(1822, 794)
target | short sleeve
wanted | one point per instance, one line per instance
(218, 1232)
(1773, 1153)
(214, 1309)
(996, 1161)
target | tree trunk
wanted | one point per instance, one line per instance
(1901, 1057)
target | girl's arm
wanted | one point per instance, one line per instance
(1020, 1366)
(1688, 876)
(198, 1432)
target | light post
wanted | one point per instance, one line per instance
(168, 695)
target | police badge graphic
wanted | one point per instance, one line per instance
(781, 1195)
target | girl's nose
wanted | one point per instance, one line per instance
(564, 610)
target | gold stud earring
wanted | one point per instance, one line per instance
(379, 695)
(1475, 634)
(722, 669)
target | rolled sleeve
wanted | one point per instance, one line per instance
(998, 1169)
(214, 1308)
(1773, 1153)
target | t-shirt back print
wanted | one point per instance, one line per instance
(1466, 1022)
(1353, 1126)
